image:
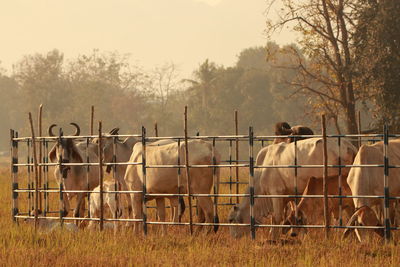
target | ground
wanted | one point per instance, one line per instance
(20, 245)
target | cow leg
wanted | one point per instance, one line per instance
(78, 205)
(277, 217)
(82, 208)
(137, 210)
(65, 205)
(124, 187)
(174, 209)
(160, 203)
(93, 214)
(206, 207)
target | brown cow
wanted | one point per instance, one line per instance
(309, 210)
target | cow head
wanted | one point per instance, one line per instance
(301, 130)
(365, 216)
(64, 150)
(107, 146)
(282, 128)
(239, 214)
(292, 219)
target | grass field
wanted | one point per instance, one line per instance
(21, 246)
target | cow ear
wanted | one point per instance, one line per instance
(52, 154)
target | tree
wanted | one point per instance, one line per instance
(377, 40)
(201, 89)
(9, 117)
(325, 73)
(111, 84)
(41, 80)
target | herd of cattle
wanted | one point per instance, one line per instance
(356, 181)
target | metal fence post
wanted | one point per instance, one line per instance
(144, 189)
(100, 151)
(237, 155)
(30, 186)
(296, 200)
(230, 171)
(87, 169)
(179, 181)
(14, 173)
(325, 177)
(386, 182)
(216, 186)
(340, 191)
(40, 152)
(251, 183)
(61, 187)
(46, 176)
(114, 174)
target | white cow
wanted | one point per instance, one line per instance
(369, 181)
(165, 180)
(281, 181)
(108, 200)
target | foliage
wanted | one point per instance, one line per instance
(377, 40)
(324, 67)
(126, 96)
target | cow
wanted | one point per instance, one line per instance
(309, 210)
(281, 181)
(283, 128)
(123, 151)
(165, 180)
(67, 150)
(109, 200)
(369, 181)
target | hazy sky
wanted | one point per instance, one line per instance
(185, 32)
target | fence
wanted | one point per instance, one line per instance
(37, 190)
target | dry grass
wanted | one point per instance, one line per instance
(20, 245)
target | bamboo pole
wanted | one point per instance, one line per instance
(40, 151)
(35, 170)
(359, 128)
(188, 172)
(237, 155)
(325, 176)
(91, 120)
(100, 151)
(155, 129)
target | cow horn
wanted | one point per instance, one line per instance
(51, 129)
(351, 222)
(78, 130)
(114, 131)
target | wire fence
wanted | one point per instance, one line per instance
(34, 187)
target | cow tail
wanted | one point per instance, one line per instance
(182, 205)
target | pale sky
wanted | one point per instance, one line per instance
(153, 32)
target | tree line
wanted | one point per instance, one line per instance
(347, 59)
(127, 96)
